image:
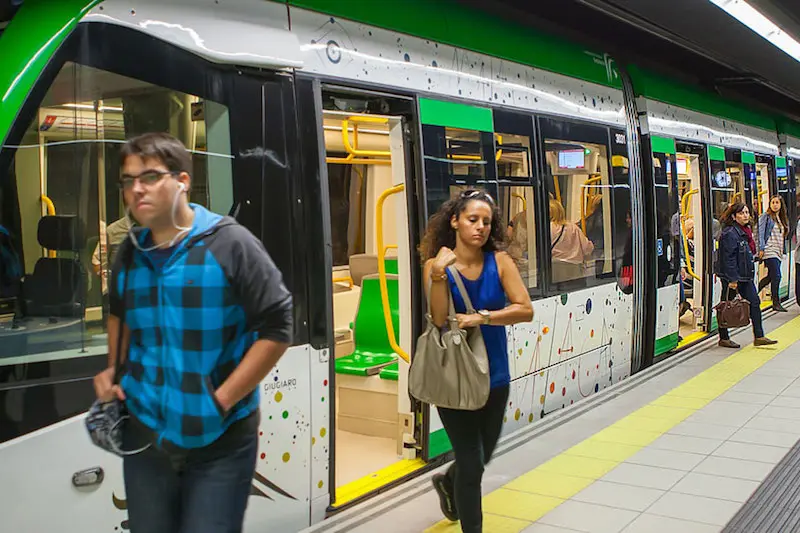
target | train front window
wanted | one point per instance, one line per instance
(63, 210)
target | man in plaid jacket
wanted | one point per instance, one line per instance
(206, 317)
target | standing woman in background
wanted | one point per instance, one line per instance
(737, 269)
(467, 232)
(773, 228)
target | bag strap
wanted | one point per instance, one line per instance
(563, 226)
(127, 259)
(461, 289)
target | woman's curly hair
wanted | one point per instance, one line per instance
(440, 233)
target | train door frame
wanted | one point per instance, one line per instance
(772, 188)
(701, 150)
(664, 146)
(794, 212)
(785, 193)
(403, 106)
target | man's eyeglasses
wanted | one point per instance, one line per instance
(148, 177)
(477, 194)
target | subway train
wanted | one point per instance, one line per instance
(332, 131)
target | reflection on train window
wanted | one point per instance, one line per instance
(62, 207)
(455, 156)
(513, 156)
(579, 210)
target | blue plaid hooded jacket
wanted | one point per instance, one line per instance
(193, 316)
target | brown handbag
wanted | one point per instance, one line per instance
(733, 313)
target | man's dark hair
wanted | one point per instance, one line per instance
(161, 146)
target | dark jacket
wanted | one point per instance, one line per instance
(736, 261)
(192, 321)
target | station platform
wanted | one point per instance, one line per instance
(705, 441)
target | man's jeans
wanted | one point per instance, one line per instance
(199, 491)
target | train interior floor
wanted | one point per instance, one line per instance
(358, 456)
(681, 446)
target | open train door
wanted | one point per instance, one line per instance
(370, 273)
(696, 231)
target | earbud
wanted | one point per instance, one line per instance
(181, 186)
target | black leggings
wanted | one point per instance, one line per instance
(474, 435)
(773, 278)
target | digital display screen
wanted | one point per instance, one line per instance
(782, 172)
(571, 159)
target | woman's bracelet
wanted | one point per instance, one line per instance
(441, 277)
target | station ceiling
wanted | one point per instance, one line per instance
(690, 40)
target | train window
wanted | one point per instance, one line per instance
(667, 214)
(513, 141)
(63, 211)
(456, 157)
(580, 203)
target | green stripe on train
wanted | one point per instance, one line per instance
(456, 24)
(27, 44)
(749, 157)
(716, 153)
(665, 344)
(662, 145)
(455, 115)
(780, 162)
(438, 443)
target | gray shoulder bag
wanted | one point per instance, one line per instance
(451, 366)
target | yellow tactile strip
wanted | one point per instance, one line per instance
(526, 499)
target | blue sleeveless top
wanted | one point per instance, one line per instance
(487, 292)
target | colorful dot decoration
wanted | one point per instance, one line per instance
(286, 457)
(285, 415)
(278, 397)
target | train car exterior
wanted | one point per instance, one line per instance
(332, 131)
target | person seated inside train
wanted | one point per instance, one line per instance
(110, 239)
(517, 234)
(569, 247)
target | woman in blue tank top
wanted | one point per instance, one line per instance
(467, 232)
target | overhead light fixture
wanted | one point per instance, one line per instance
(756, 21)
(91, 107)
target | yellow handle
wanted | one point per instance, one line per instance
(382, 271)
(344, 279)
(352, 149)
(685, 213)
(51, 210)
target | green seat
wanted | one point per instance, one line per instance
(391, 265)
(372, 349)
(391, 372)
